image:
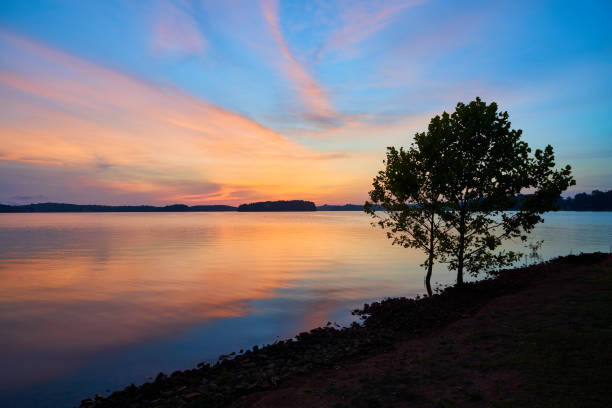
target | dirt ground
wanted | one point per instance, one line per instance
(549, 344)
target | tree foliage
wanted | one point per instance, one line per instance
(407, 190)
(450, 193)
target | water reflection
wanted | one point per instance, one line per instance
(75, 284)
(89, 301)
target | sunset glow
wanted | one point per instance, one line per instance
(232, 102)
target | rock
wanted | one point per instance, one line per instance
(87, 402)
(192, 395)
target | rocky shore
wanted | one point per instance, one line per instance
(241, 378)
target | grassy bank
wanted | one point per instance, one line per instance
(534, 336)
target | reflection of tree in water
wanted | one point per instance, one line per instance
(534, 254)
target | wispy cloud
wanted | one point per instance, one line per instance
(313, 96)
(175, 31)
(125, 135)
(360, 20)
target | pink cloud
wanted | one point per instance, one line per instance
(361, 20)
(115, 133)
(175, 30)
(312, 94)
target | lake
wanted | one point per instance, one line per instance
(91, 302)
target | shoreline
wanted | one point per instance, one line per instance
(385, 326)
(236, 211)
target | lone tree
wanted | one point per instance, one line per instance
(478, 170)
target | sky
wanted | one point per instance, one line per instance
(227, 102)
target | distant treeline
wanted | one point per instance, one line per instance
(596, 201)
(294, 205)
(345, 207)
(59, 207)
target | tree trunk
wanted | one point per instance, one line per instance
(430, 259)
(460, 268)
(428, 279)
(461, 248)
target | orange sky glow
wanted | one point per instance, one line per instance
(113, 132)
(203, 102)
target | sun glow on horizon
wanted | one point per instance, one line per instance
(192, 102)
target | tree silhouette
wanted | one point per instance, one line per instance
(464, 175)
(408, 192)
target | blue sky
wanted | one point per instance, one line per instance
(129, 102)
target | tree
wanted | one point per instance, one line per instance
(485, 168)
(406, 190)
(452, 192)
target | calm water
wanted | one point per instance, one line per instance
(90, 302)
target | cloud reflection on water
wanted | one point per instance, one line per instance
(74, 285)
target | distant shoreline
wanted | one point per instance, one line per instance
(178, 208)
(597, 201)
(267, 206)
